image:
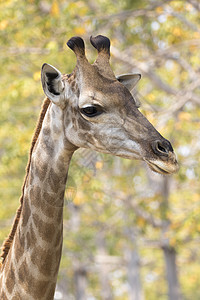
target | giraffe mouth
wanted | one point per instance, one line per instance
(162, 167)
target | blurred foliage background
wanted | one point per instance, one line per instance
(128, 233)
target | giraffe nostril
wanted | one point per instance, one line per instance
(162, 147)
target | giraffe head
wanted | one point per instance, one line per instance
(99, 111)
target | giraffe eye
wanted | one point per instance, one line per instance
(92, 111)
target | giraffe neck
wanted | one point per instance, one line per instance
(31, 267)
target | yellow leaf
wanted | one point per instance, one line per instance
(83, 11)
(196, 35)
(159, 9)
(80, 30)
(172, 242)
(177, 31)
(79, 199)
(55, 9)
(141, 222)
(196, 197)
(52, 45)
(72, 6)
(3, 24)
(184, 116)
(192, 48)
(86, 177)
(36, 76)
(151, 97)
(178, 125)
(175, 225)
(99, 165)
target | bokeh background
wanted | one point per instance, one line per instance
(129, 234)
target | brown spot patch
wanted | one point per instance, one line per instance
(28, 238)
(81, 136)
(89, 137)
(50, 293)
(48, 146)
(60, 215)
(10, 281)
(35, 287)
(16, 297)
(21, 239)
(46, 230)
(58, 238)
(61, 196)
(61, 164)
(18, 251)
(46, 131)
(56, 129)
(3, 296)
(73, 120)
(54, 180)
(49, 232)
(35, 195)
(47, 210)
(44, 261)
(32, 234)
(67, 115)
(23, 272)
(37, 192)
(36, 220)
(26, 212)
(57, 254)
(83, 124)
(49, 199)
(42, 171)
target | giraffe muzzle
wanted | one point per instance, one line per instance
(165, 162)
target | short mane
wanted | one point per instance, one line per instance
(8, 242)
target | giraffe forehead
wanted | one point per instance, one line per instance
(111, 94)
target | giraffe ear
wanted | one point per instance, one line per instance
(129, 80)
(52, 84)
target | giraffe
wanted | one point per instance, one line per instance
(89, 108)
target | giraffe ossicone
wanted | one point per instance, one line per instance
(89, 108)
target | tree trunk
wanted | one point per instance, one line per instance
(169, 252)
(106, 292)
(133, 274)
(80, 280)
(171, 273)
(133, 267)
(161, 185)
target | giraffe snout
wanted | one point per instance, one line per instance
(165, 161)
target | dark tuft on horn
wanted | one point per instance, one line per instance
(76, 43)
(101, 43)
